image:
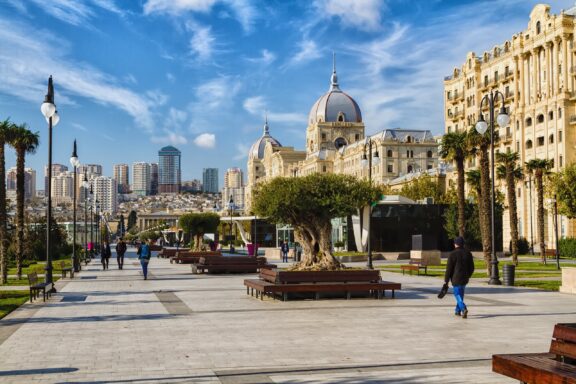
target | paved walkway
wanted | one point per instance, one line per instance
(114, 327)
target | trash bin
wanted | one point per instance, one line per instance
(508, 271)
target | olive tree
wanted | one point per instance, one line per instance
(308, 204)
(197, 224)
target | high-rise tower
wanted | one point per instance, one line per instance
(169, 170)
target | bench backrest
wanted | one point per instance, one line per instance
(167, 252)
(229, 260)
(564, 342)
(62, 264)
(198, 254)
(32, 278)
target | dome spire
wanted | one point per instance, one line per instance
(266, 127)
(334, 78)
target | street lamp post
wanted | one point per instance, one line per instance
(554, 201)
(368, 161)
(85, 184)
(255, 241)
(97, 222)
(481, 126)
(230, 208)
(91, 224)
(49, 111)
(75, 163)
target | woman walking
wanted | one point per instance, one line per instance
(144, 257)
(105, 255)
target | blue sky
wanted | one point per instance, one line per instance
(132, 76)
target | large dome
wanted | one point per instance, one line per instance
(257, 149)
(335, 105)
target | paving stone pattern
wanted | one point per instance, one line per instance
(175, 327)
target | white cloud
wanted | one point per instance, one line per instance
(205, 140)
(243, 10)
(308, 51)
(170, 77)
(254, 105)
(364, 14)
(202, 42)
(217, 92)
(79, 127)
(69, 11)
(27, 59)
(266, 58)
(169, 137)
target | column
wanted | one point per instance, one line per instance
(565, 68)
(552, 62)
(516, 82)
(557, 62)
(536, 75)
(548, 67)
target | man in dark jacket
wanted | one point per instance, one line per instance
(459, 269)
(120, 251)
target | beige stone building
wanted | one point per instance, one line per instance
(336, 143)
(535, 71)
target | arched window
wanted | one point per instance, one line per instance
(528, 121)
(537, 27)
(408, 139)
(551, 115)
(551, 139)
(540, 118)
(517, 125)
(409, 169)
(341, 116)
(429, 154)
(529, 144)
(389, 153)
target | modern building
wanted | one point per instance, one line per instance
(141, 178)
(336, 143)
(91, 170)
(122, 176)
(192, 186)
(210, 180)
(56, 170)
(154, 178)
(535, 71)
(106, 193)
(233, 188)
(63, 188)
(29, 183)
(169, 170)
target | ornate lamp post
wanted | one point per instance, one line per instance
(91, 223)
(97, 221)
(530, 204)
(49, 111)
(368, 161)
(75, 163)
(481, 126)
(230, 208)
(86, 185)
(554, 203)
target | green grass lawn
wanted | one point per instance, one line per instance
(38, 267)
(10, 300)
(547, 285)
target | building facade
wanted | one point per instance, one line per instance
(56, 170)
(169, 170)
(141, 178)
(63, 188)
(154, 179)
(29, 183)
(106, 193)
(122, 176)
(210, 180)
(336, 143)
(535, 71)
(233, 188)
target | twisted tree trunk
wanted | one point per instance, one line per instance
(461, 199)
(3, 234)
(512, 210)
(485, 208)
(540, 214)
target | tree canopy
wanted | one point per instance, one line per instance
(197, 224)
(564, 187)
(308, 204)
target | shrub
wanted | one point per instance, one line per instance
(567, 247)
(523, 246)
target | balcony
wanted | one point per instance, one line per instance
(572, 119)
(456, 115)
(509, 95)
(505, 138)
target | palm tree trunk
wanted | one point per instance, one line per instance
(540, 214)
(513, 214)
(20, 175)
(461, 199)
(3, 232)
(485, 212)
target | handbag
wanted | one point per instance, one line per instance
(443, 291)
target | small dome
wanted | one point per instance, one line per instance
(257, 149)
(335, 106)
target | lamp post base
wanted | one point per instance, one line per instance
(494, 278)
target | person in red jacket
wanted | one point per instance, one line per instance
(459, 270)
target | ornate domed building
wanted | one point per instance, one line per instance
(336, 143)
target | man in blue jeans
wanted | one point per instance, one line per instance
(459, 270)
(144, 257)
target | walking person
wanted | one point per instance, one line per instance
(105, 255)
(285, 248)
(459, 270)
(120, 251)
(144, 257)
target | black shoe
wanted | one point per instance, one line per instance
(465, 314)
(456, 313)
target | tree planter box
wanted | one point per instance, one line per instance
(343, 276)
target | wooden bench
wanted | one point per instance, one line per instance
(65, 270)
(550, 252)
(272, 283)
(36, 287)
(192, 257)
(168, 252)
(415, 265)
(556, 367)
(229, 264)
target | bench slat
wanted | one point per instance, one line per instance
(534, 368)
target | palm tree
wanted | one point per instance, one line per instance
(454, 148)
(479, 144)
(6, 130)
(540, 167)
(511, 172)
(474, 180)
(24, 141)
